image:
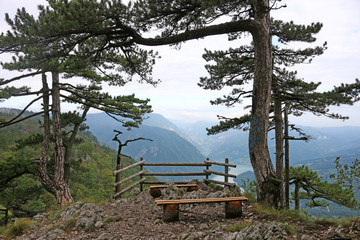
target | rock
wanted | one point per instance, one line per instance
(73, 209)
(106, 236)
(218, 194)
(172, 192)
(195, 194)
(203, 226)
(90, 217)
(39, 218)
(135, 190)
(260, 231)
(232, 191)
(54, 234)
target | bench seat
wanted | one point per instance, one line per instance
(233, 206)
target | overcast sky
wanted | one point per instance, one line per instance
(179, 97)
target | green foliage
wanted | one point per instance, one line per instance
(113, 219)
(348, 175)
(91, 177)
(69, 225)
(284, 215)
(317, 190)
(19, 227)
(237, 227)
(249, 188)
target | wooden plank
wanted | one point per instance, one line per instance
(177, 174)
(128, 167)
(129, 178)
(176, 185)
(129, 187)
(219, 182)
(200, 200)
(220, 173)
(221, 164)
(176, 164)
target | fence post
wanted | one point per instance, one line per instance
(226, 170)
(207, 168)
(141, 176)
(6, 216)
(118, 175)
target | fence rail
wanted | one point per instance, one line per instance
(142, 174)
(6, 213)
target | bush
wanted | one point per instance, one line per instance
(19, 227)
(238, 226)
(249, 188)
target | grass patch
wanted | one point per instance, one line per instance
(215, 186)
(237, 227)
(113, 219)
(69, 225)
(19, 227)
(53, 215)
(215, 225)
(290, 229)
(285, 215)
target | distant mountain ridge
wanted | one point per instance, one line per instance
(166, 145)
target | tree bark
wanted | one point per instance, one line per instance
(296, 195)
(69, 145)
(287, 158)
(279, 142)
(268, 187)
(42, 163)
(118, 167)
(62, 191)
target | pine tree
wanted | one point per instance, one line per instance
(234, 68)
(120, 28)
(347, 175)
(41, 57)
(317, 191)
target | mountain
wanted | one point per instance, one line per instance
(166, 145)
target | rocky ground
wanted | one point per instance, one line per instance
(139, 218)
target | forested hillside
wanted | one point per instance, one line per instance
(91, 177)
(166, 145)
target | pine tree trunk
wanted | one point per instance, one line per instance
(62, 194)
(287, 158)
(69, 145)
(268, 186)
(118, 167)
(42, 163)
(279, 139)
(296, 195)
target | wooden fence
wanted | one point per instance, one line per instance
(6, 213)
(142, 174)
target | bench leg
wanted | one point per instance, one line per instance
(171, 213)
(155, 192)
(190, 189)
(233, 209)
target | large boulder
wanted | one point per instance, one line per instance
(89, 216)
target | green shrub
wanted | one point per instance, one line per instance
(19, 227)
(113, 219)
(237, 227)
(69, 225)
(249, 188)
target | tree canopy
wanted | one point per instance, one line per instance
(91, 38)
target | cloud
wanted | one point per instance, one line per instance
(178, 96)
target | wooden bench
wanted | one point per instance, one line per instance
(233, 206)
(155, 191)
